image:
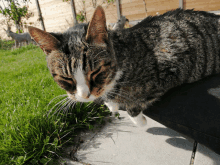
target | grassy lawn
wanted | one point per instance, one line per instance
(27, 134)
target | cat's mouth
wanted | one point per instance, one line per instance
(78, 98)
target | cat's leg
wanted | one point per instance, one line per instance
(136, 116)
(139, 120)
(113, 107)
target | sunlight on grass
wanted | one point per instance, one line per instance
(27, 135)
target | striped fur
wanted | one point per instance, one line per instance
(162, 52)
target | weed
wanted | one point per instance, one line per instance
(6, 44)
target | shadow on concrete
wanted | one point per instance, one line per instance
(207, 152)
(192, 110)
(176, 139)
(90, 138)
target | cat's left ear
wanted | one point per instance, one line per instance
(97, 31)
(47, 42)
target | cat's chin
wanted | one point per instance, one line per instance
(80, 99)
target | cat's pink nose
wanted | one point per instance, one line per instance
(85, 95)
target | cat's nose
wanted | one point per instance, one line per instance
(83, 91)
(85, 95)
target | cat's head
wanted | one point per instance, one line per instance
(81, 60)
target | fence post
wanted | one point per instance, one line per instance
(40, 15)
(181, 6)
(74, 12)
(118, 9)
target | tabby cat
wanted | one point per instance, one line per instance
(132, 67)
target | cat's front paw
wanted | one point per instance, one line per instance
(139, 120)
(113, 107)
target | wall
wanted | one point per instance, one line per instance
(58, 15)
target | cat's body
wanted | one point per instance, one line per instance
(133, 67)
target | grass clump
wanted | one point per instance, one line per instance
(27, 135)
(6, 44)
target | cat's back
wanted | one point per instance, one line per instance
(178, 16)
(184, 45)
(190, 39)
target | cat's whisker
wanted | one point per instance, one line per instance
(89, 105)
(100, 60)
(59, 105)
(81, 103)
(60, 102)
(73, 105)
(65, 113)
(114, 93)
(108, 78)
(123, 92)
(64, 105)
(99, 53)
(124, 97)
(70, 103)
(57, 109)
(67, 108)
(92, 105)
(57, 97)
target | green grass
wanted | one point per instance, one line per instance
(6, 44)
(27, 135)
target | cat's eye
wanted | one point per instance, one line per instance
(66, 83)
(96, 71)
(99, 79)
(84, 61)
(67, 78)
(54, 75)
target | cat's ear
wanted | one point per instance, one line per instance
(97, 30)
(46, 41)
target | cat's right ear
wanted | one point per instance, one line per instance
(97, 31)
(46, 41)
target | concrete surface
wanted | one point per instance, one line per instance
(122, 143)
(206, 156)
